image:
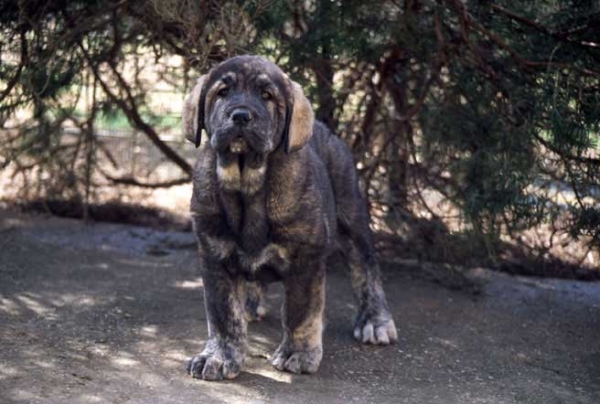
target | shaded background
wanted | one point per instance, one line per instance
(474, 124)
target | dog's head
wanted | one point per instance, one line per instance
(248, 105)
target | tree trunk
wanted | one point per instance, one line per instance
(324, 72)
(398, 150)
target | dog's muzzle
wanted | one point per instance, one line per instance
(241, 118)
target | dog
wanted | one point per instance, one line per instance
(275, 193)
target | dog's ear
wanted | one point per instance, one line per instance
(299, 121)
(193, 112)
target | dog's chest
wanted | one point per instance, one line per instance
(247, 220)
(252, 243)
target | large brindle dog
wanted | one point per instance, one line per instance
(275, 193)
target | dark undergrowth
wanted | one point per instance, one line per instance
(112, 212)
(425, 241)
(430, 241)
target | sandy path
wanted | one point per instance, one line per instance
(109, 314)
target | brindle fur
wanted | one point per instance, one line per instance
(273, 208)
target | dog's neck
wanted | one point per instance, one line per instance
(244, 173)
(271, 181)
(249, 173)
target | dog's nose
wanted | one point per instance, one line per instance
(241, 116)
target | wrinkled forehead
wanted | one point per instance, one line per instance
(249, 70)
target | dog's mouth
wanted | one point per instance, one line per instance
(234, 141)
(238, 146)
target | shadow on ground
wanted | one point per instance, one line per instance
(93, 314)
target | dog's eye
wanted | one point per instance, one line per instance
(266, 95)
(223, 92)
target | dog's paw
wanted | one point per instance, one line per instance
(216, 364)
(297, 361)
(375, 329)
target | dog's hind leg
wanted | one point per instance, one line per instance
(256, 308)
(373, 322)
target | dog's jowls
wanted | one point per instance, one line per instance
(275, 193)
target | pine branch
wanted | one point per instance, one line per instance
(130, 110)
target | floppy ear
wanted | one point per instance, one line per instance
(299, 121)
(193, 113)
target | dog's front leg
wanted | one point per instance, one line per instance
(301, 350)
(223, 355)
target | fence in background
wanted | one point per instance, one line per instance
(129, 153)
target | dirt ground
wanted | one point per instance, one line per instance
(110, 314)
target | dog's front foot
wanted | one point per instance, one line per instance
(218, 361)
(297, 361)
(375, 327)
